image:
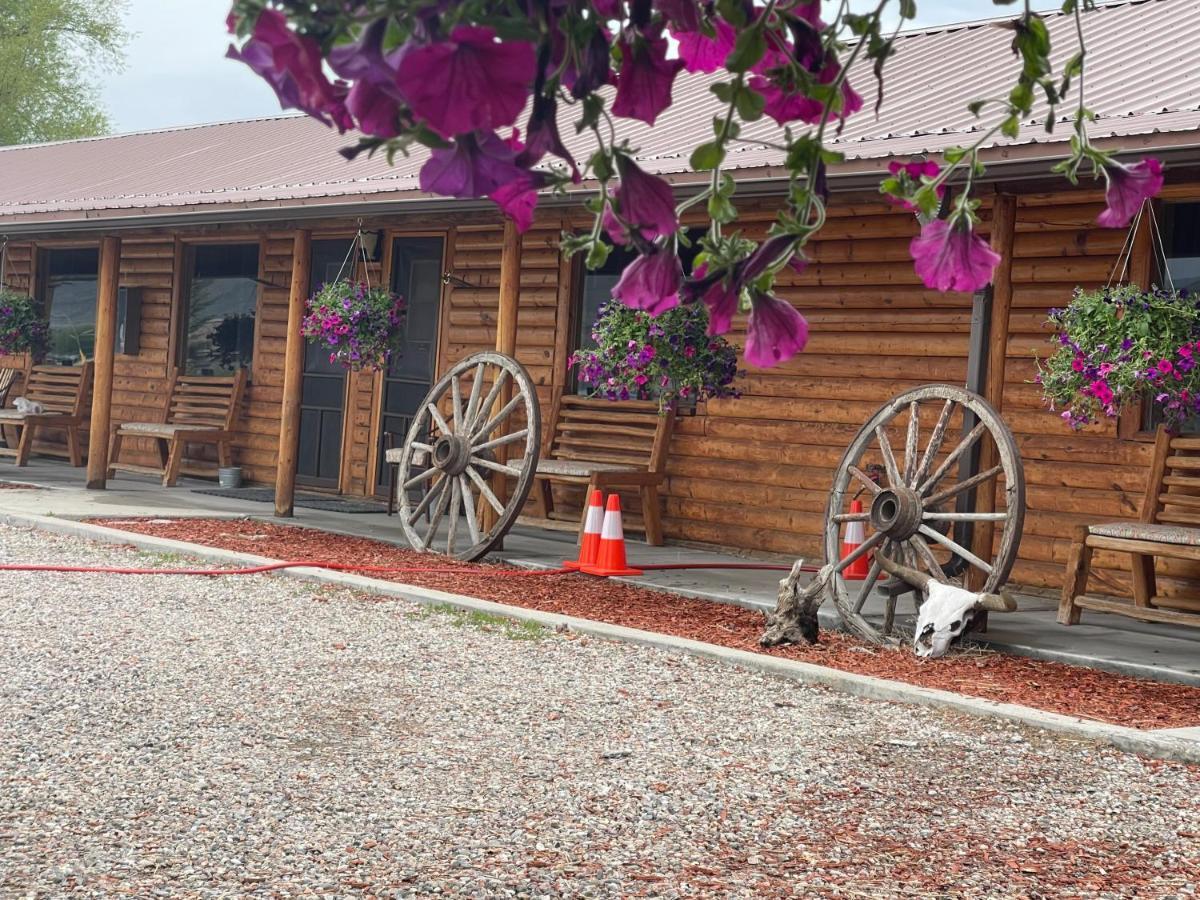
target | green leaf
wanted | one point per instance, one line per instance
(723, 90)
(750, 47)
(975, 107)
(597, 254)
(601, 166)
(707, 156)
(750, 105)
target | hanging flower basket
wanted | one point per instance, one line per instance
(670, 358)
(22, 327)
(358, 324)
(1115, 346)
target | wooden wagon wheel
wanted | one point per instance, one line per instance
(910, 509)
(454, 450)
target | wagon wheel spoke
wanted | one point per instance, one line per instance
(926, 555)
(865, 591)
(956, 489)
(505, 411)
(852, 517)
(864, 479)
(456, 404)
(965, 516)
(452, 527)
(476, 391)
(956, 548)
(418, 445)
(485, 407)
(432, 494)
(485, 490)
(504, 439)
(438, 419)
(963, 446)
(865, 547)
(910, 441)
(469, 511)
(935, 444)
(889, 459)
(423, 475)
(436, 519)
(495, 466)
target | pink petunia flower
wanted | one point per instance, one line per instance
(646, 76)
(651, 282)
(949, 256)
(701, 53)
(1128, 188)
(645, 202)
(775, 332)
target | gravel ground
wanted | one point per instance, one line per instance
(252, 736)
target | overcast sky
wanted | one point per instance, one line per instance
(177, 73)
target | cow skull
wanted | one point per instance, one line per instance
(947, 611)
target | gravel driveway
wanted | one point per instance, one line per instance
(254, 736)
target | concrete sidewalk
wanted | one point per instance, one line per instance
(1103, 641)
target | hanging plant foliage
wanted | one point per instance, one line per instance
(23, 329)
(358, 324)
(1118, 345)
(670, 357)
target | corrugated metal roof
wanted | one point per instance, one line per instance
(1142, 80)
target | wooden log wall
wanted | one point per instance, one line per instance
(750, 473)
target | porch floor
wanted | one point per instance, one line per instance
(1103, 641)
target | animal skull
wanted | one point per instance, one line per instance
(947, 611)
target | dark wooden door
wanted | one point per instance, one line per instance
(323, 393)
(417, 276)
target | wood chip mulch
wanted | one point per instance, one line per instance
(1055, 687)
(17, 486)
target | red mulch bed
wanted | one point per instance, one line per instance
(1056, 687)
(14, 486)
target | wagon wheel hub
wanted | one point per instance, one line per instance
(897, 513)
(451, 454)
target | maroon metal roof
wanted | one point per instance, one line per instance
(1142, 82)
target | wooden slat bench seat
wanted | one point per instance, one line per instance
(605, 444)
(1168, 527)
(63, 392)
(199, 409)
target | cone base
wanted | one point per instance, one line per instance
(604, 573)
(572, 564)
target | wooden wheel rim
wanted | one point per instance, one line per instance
(452, 457)
(891, 503)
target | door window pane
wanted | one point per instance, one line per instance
(222, 301)
(69, 298)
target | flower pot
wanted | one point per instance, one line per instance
(230, 477)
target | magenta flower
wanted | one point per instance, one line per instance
(682, 15)
(475, 165)
(645, 203)
(775, 332)
(291, 64)
(542, 136)
(467, 83)
(377, 112)
(1128, 188)
(518, 198)
(720, 291)
(701, 53)
(651, 282)
(785, 105)
(949, 256)
(1165, 366)
(644, 82)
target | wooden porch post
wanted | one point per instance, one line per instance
(293, 377)
(506, 341)
(1004, 221)
(107, 288)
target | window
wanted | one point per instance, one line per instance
(69, 299)
(222, 300)
(596, 287)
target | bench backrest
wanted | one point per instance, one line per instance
(208, 400)
(63, 390)
(7, 377)
(1173, 488)
(631, 432)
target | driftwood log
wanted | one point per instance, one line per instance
(914, 510)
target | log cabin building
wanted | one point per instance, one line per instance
(220, 228)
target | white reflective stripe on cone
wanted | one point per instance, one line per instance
(856, 532)
(612, 526)
(594, 520)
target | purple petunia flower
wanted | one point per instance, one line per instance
(1128, 188)
(474, 165)
(949, 256)
(701, 53)
(646, 76)
(651, 282)
(469, 82)
(775, 332)
(645, 202)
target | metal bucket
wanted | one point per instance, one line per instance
(230, 477)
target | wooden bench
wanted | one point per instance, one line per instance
(1169, 526)
(606, 444)
(63, 392)
(200, 409)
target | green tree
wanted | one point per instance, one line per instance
(51, 54)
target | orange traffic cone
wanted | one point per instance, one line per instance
(589, 550)
(611, 559)
(856, 533)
